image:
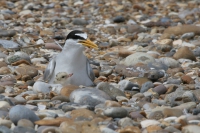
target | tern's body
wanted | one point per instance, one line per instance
(71, 60)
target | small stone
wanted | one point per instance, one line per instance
(5, 129)
(160, 89)
(79, 21)
(4, 104)
(9, 44)
(172, 129)
(67, 90)
(86, 96)
(44, 129)
(82, 113)
(130, 129)
(170, 62)
(7, 33)
(25, 12)
(187, 79)
(109, 103)
(187, 106)
(185, 53)
(172, 112)
(19, 129)
(115, 112)
(187, 35)
(118, 19)
(19, 112)
(156, 115)
(112, 91)
(137, 57)
(25, 123)
(126, 85)
(191, 129)
(69, 127)
(188, 96)
(125, 122)
(146, 86)
(61, 98)
(5, 122)
(107, 130)
(51, 122)
(136, 115)
(196, 51)
(146, 123)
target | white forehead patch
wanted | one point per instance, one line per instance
(84, 35)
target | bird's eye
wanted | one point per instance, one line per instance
(63, 77)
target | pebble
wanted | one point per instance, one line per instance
(146, 123)
(118, 19)
(20, 112)
(191, 129)
(115, 112)
(25, 123)
(146, 86)
(86, 96)
(112, 91)
(184, 52)
(79, 21)
(9, 44)
(126, 85)
(138, 57)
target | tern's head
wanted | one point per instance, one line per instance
(78, 38)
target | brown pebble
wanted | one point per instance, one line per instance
(187, 79)
(185, 53)
(160, 89)
(172, 112)
(66, 90)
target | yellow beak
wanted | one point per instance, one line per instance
(88, 43)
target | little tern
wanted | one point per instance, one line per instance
(62, 78)
(72, 60)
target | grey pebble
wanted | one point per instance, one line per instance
(79, 21)
(20, 112)
(112, 91)
(196, 51)
(9, 44)
(19, 129)
(174, 81)
(7, 33)
(116, 112)
(187, 35)
(91, 97)
(4, 129)
(126, 85)
(107, 130)
(146, 86)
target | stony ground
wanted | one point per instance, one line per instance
(146, 67)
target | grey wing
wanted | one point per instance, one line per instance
(49, 70)
(90, 71)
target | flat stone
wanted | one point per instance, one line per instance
(146, 123)
(115, 112)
